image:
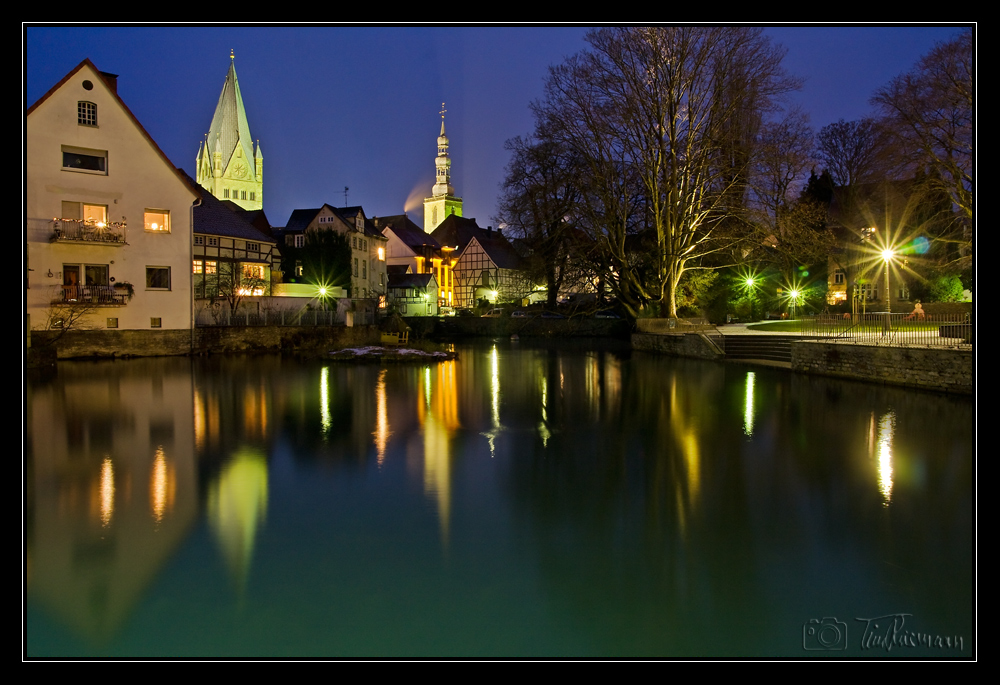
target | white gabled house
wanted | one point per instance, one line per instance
(108, 221)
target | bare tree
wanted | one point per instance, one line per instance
(856, 152)
(538, 203)
(665, 120)
(931, 111)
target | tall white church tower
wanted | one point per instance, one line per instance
(227, 165)
(442, 202)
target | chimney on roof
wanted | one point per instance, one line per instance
(111, 80)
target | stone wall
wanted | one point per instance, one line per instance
(944, 369)
(677, 344)
(112, 343)
(449, 327)
(202, 340)
(242, 339)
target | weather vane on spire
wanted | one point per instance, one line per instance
(231, 54)
(443, 110)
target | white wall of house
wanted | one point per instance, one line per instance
(137, 185)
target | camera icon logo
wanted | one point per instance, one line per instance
(826, 634)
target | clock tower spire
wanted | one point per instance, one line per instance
(228, 165)
(443, 201)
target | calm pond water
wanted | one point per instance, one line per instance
(526, 500)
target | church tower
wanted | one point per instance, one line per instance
(228, 165)
(443, 202)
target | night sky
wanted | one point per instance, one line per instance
(358, 107)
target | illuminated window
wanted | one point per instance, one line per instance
(211, 267)
(158, 278)
(253, 270)
(86, 113)
(157, 220)
(84, 160)
(93, 215)
(198, 267)
(381, 254)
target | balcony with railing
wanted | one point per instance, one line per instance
(94, 295)
(88, 231)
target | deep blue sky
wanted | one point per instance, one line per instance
(358, 107)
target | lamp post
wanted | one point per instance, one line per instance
(887, 255)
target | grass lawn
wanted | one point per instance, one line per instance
(792, 326)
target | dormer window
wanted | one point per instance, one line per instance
(86, 113)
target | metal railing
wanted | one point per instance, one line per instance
(223, 316)
(88, 231)
(895, 329)
(93, 295)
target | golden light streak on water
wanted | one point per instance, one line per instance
(748, 405)
(200, 422)
(382, 432)
(886, 427)
(325, 420)
(162, 486)
(107, 491)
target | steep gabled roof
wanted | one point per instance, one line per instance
(213, 217)
(300, 219)
(407, 231)
(397, 280)
(460, 231)
(108, 81)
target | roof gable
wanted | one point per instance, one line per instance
(110, 91)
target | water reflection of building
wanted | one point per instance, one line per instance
(437, 409)
(112, 486)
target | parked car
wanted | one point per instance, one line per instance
(552, 315)
(493, 314)
(520, 314)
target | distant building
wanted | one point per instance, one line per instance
(368, 246)
(231, 258)
(902, 215)
(228, 165)
(409, 246)
(442, 203)
(413, 294)
(486, 266)
(108, 219)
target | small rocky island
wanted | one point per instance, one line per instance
(379, 353)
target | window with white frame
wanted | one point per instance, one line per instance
(199, 240)
(158, 278)
(85, 160)
(198, 266)
(86, 113)
(300, 241)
